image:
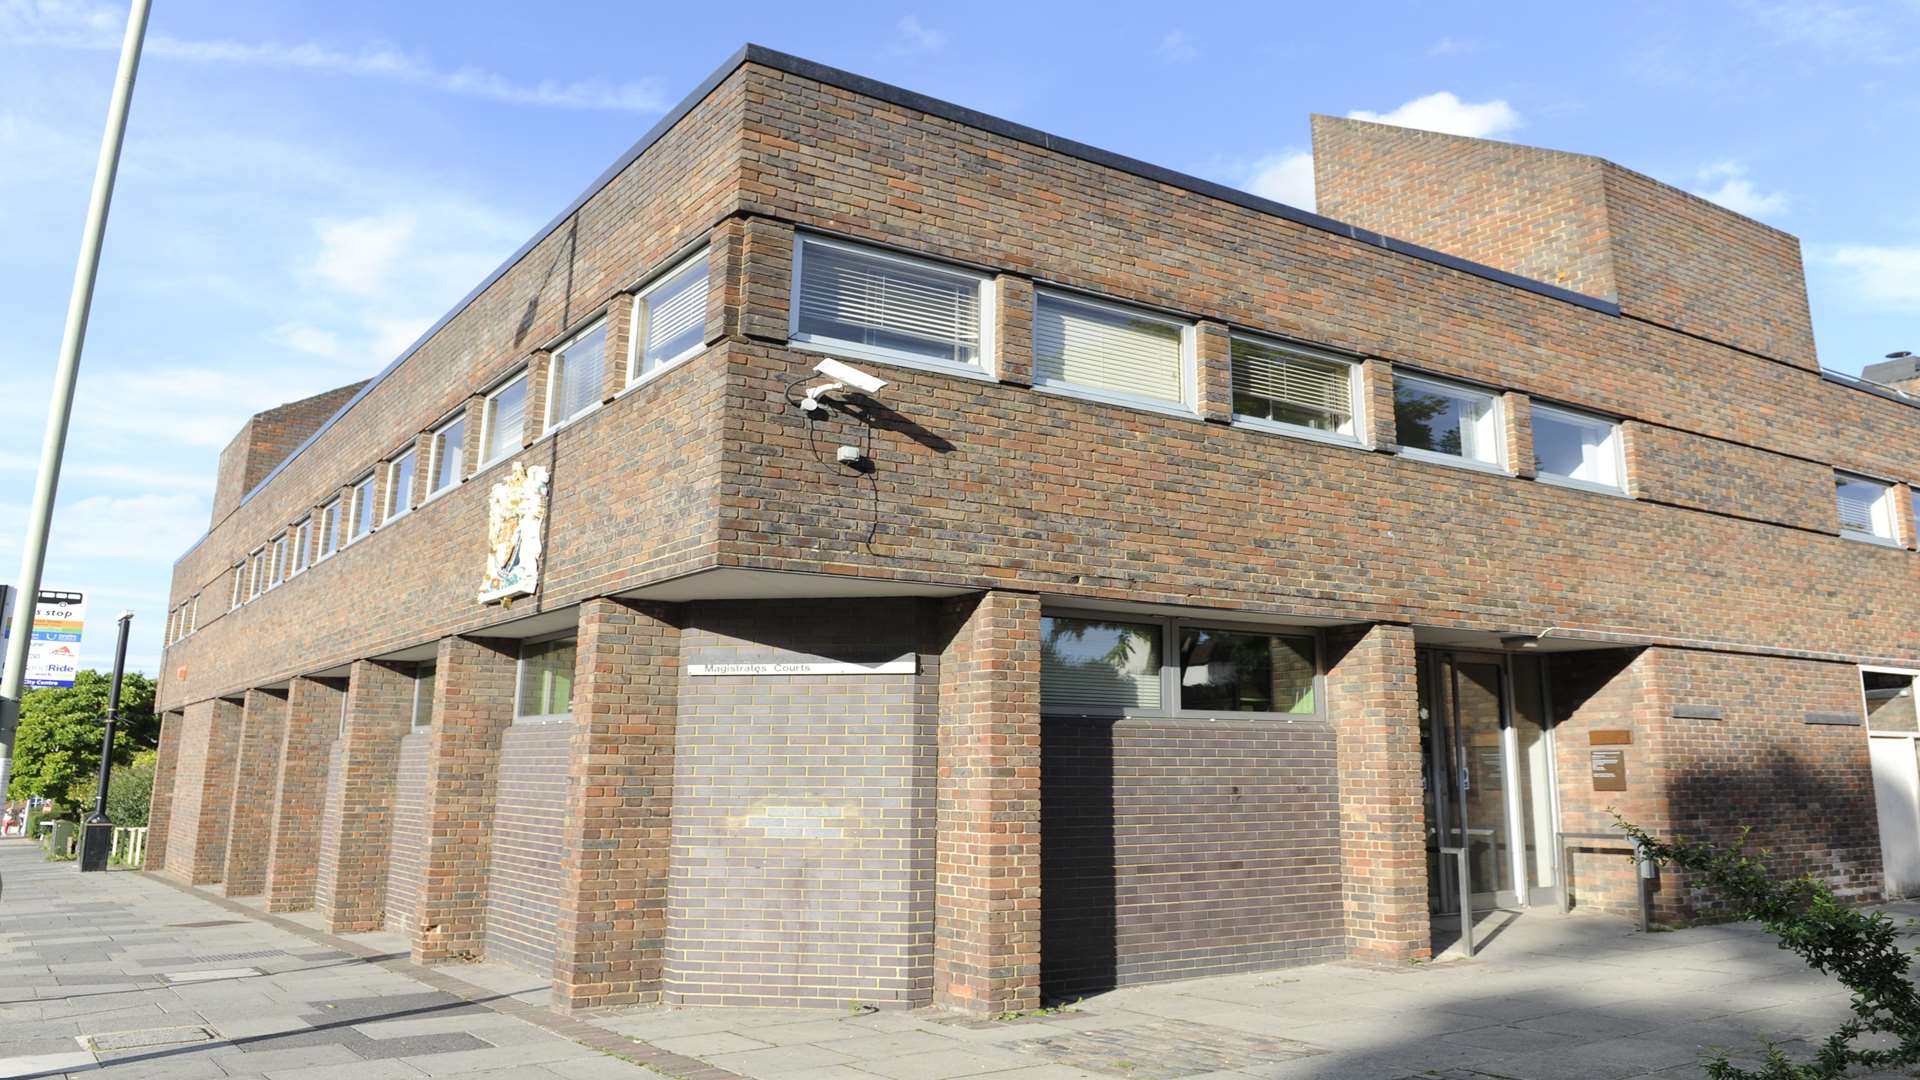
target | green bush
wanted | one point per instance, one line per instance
(1859, 948)
(129, 793)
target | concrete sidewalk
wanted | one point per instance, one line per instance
(181, 983)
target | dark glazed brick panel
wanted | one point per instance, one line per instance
(523, 876)
(1178, 849)
(802, 859)
(406, 853)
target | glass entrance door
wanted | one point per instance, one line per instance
(1489, 784)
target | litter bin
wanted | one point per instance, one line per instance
(64, 833)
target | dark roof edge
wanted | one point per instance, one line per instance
(946, 110)
(1867, 386)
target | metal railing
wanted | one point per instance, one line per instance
(129, 846)
(1565, 842)
(1466, 898)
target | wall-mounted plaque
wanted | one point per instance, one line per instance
(516, 519)
(1609, 770)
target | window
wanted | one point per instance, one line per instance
(546, 681)
(578, 376)
(1111, 353)
(330, 528)
(1889, 699)
(1446, 421)
(1245, 671)
(449, 454)
(279, 561)
(362, 522)
(257, 573)
(1090, 665)
(670, 319)
(193, 613)
(302, 545)
(400, 476)
(504, 420)
(888, 307)
(1866, 507)
(239, 586)
(423, 679)
(1293, 387)
(1571, 447)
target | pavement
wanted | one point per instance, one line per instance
(119, 974)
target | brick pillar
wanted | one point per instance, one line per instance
(613, 375)
(1376, 386)
(472, 707)
(1516, 412)
(379, 714)
(1213, 361)
(423, 468)
(160, 808)
(986, 943)
(1373, 702)
(293, 854)
(196, 846)
(761, 286)
(263, 721)
(1013, 330)
(619, 798)
(470, 436)
(539, 373)
(1903, 517)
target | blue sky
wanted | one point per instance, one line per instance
(306, 187)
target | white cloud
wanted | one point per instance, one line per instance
(1444, 112)
(911, 37)
(1737, 193)
(1447, 46)
(148, 528)
(357, 256)
(109, 472)
(1883, 276)
(311, 340)
(1178, 47)
(87, 26)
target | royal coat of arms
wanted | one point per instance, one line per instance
(516, 517)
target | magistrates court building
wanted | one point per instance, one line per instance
(1201, 570)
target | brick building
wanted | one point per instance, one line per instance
(1204, 567)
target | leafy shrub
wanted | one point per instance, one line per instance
(1859, 948)
(128, 795)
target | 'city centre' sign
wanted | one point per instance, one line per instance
(905, 665)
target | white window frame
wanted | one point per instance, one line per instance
(1615, 449)
(326, 550)
(277, 561)
(520, 677)
(435, 489)
(1356, 394)
(637, 325)
(1883, 509)
(557, 362)
(354, 534)
(486, 420)
(1187, 406)
(1169, 629)
(396, 507)
(256, 571)
(302, 546)
(1866, 724)
(239, 586)
(988, 368)
(413, 721)
(1497, 418)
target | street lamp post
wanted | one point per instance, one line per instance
(96, 837)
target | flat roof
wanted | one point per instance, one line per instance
(894, 95)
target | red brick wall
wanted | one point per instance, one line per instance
(160, 810)
(263, 722)
(266, 439)
(379, 714)
(986, 950)
(196, 842)
(312, 724)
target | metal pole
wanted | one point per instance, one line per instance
(113, 719)
(34, 552)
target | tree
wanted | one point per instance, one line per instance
(131, 790)
(56, 751)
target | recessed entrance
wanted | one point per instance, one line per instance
(1487, 747)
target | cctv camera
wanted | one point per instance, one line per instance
(852, 376)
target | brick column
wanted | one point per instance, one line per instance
(1213, 361)
(539, 372)
(760, 282)
(986, 943)
(1376, 385)
(196, 847)
(1903, 511)
(1013, 330)
(293, 853)
(379, 714)
(1373, 702)
(1516, 412)
(470, 435)
(619, 800)
(160, 808)
(423, 470)
(263, 721)
(613, 374)
(472, 707)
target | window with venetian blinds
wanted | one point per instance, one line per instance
(672, 317)
(886, 306)
(1109, 351)
(1285, 384)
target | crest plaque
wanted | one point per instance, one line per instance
(516, 513)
